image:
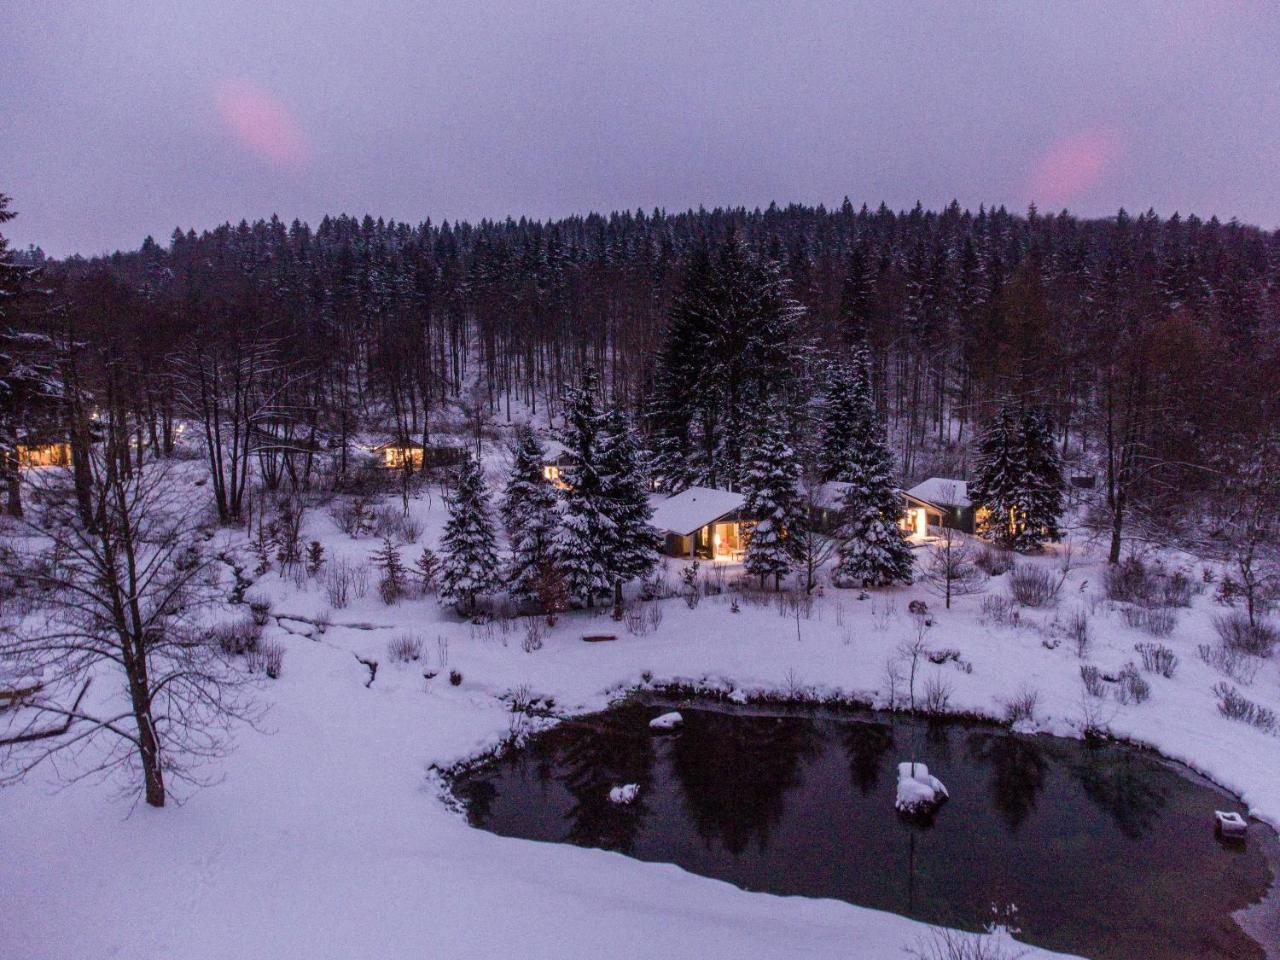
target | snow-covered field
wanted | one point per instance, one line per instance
(327, 836)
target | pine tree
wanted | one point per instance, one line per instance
(773, 500)
(387, 560)
(873, 552)
(470, 563)
(999, 476)
(1042, 502)
(634, 547)
(1018, 479)
(586, 533)
(839, 423)
(529, 512)
(427, 566)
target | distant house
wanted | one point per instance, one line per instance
(43, 450)
(937, 502)
(703, 523)
(398, 454)
(556, 459)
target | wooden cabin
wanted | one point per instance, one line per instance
(43, 451)
(703, 523)
(937, 502)
(556, 459)
(399, 454)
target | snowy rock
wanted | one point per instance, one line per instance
(668, 721)
(625, 794)
(1230, 823)
(919, 792)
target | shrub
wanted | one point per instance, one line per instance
(1240, 667)
(405, 648)
(1132, 688)
(992, 560)
(338, 584)
(1022, 706)
(1129, 582)
(1000, 609)
(1078, 632)
(259, 609)
(1033, 585)
(1235, 706)
(1176, 590)
(1092, 678)
(236, 637)
(455, 678)
(1257, 639)
(1157, 658)
(535, 631)
(1159, 621)
(315, 557)
(351, 516)
(937, 696)
(267, 658)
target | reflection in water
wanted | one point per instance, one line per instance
(1018, 769)
(1107, 851)
(865, 744)
(735, 773)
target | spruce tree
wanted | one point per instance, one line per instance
(1018, 480)
(873, 551)
(586, 533)
(1042, 503)
(999, 475)
(839, 423)
(530, 514)
(469, 566)
(773, 500)
(634, 549)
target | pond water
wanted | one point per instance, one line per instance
(1106, 851)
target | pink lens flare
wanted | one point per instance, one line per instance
(261, 123)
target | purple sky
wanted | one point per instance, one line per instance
(119, 121)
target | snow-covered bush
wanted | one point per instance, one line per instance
(1131, 687)
(1157, 658)
(1079, 632)
(1000, 609)
(259, 609)
(1157, 621)
(1240, 667)
(1034, 585)
(1256, 638)
(351, 515)
(535, 631)
(1092, 679)
(993, 560)
(1021, 707)
(1129, 582)
(236, 637)
(1235, 706)
(404, 648)
(266, 658)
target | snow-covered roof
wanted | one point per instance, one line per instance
(553, 450)
(694, 508)
(830, 495)
(943, 492)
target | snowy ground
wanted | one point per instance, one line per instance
(327, 836)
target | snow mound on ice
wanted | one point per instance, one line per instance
(668, 721)
(624, 794)
(918, 790)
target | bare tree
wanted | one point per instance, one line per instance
(951, 570)
(120, 600)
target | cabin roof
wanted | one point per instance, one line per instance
(694, 508)
(942, 492)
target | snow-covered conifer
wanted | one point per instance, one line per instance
(586, 533)
(873, 551)
(469, 566)
(626, 487)
(773, 500)
(529, 512)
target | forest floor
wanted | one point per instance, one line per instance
(327, 835)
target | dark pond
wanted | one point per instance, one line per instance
(1106, 851)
